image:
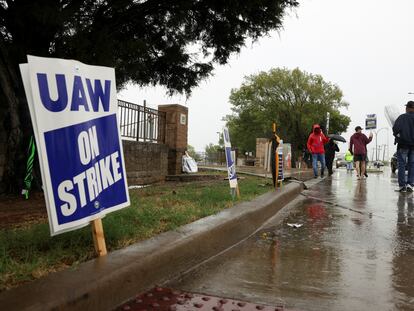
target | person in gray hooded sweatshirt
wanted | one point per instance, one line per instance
(403, 131)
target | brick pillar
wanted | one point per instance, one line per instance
(176, 135)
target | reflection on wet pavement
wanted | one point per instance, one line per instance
(355, 251)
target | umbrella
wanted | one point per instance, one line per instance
(337, 137)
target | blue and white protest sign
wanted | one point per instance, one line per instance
(73, 108)
(230, 160)
(280, 162)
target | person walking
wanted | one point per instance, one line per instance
(358, 148)
(316, 142)
(403, 131)
(330, 148)
(349, 158)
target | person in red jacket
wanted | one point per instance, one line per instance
(316, 142)
(358, 147)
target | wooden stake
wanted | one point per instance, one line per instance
(238, 191)
(98, 237)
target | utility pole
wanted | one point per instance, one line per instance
(327, 122)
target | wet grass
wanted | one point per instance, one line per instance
(30, 252)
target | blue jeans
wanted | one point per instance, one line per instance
(405, 157)
(349, 166)
(315, 158)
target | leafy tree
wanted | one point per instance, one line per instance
(147, 41)
(191, 151)
(221, 140)
(214, 153)
(294, 99)
(211, 148)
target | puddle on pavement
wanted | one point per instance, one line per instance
(356, 255)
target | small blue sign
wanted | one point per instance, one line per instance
(230, 164)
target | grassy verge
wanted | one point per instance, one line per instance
(29, 253)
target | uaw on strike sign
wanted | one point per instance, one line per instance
(73, 109)
(230, 160)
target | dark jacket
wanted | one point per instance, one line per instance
(358, 144)
(403, 130)
(330, 149)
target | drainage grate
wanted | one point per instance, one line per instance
(166, 299)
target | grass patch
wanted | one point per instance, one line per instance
(29, 253)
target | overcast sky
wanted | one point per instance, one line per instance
(364, 46)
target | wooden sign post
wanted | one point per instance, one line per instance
(238, 191)
(98, 237)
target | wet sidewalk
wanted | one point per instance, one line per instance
(353, 250)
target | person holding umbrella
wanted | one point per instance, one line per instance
(330, 148)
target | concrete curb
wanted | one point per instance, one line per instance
(302, 175)
(104, 283)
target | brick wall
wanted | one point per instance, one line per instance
(145, 163)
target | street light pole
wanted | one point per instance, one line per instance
(376, 141)
(327, 122)
(219, 135)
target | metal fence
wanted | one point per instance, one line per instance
(211, 158)
(141, 123)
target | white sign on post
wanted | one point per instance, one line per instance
(73, 108)
(371, 122)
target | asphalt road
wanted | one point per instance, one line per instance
(353, 250)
